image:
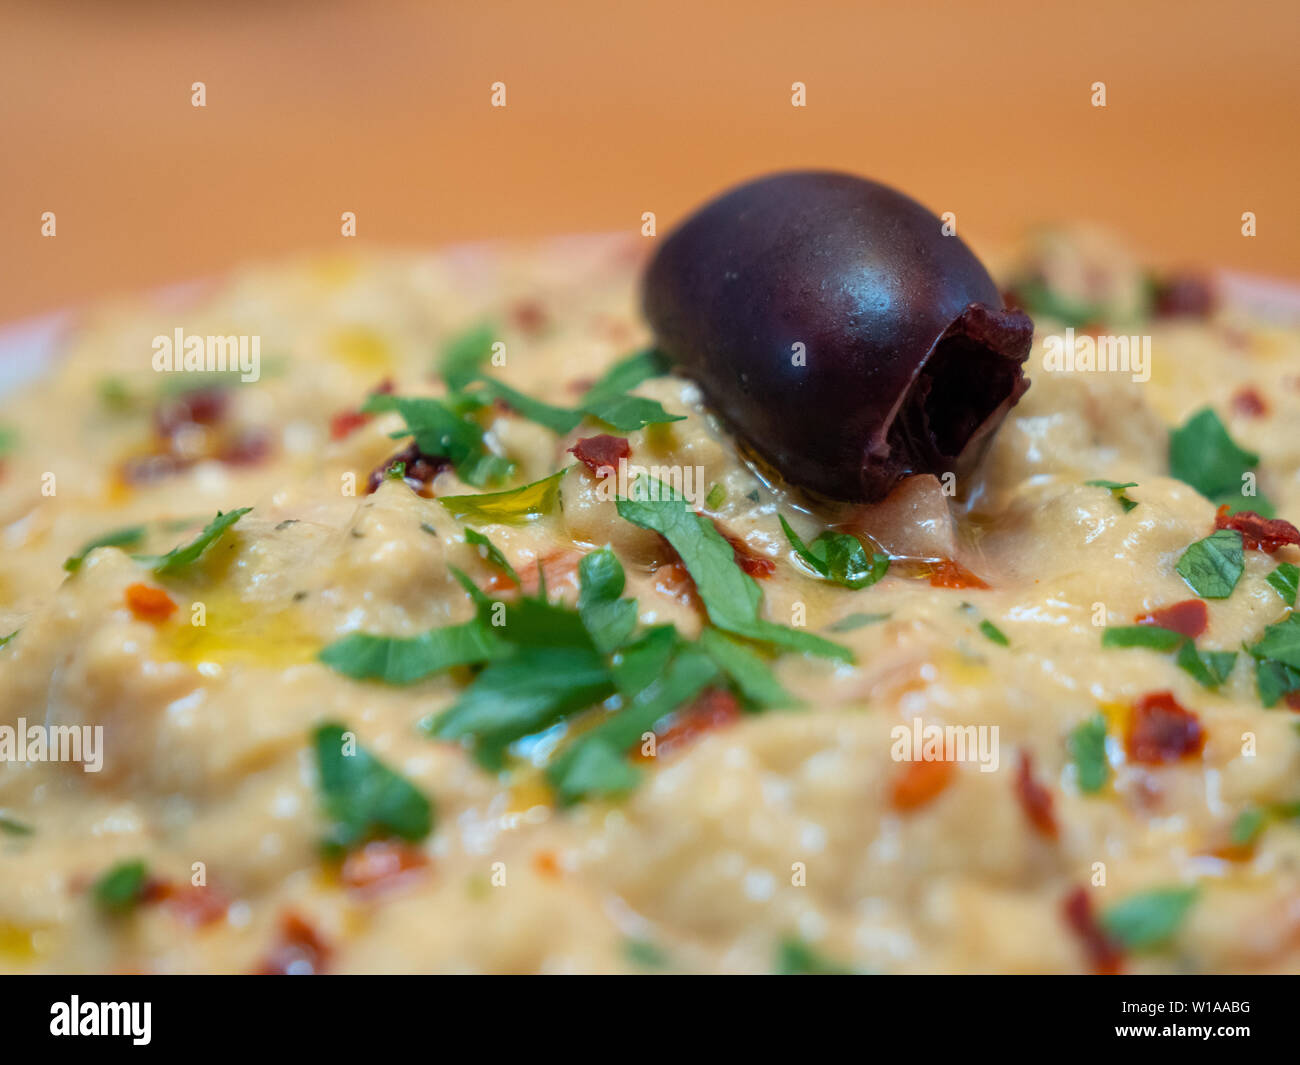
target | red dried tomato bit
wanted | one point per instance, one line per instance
(601, 452)
(920, 783)
(419, 469)
(196, 905)
(381, 866)
(299, 950)
(1249, 403)
(1184, 296)
(1160, 730)
(529, 316)
(712, 709)
(947, 573)
(245, 448)
(204, 406)
(1035, 799)
(674, 580)
(346, 422)
(149, 603)
(560, 568)
(1292, 700)
(753, 564)
(1104, 957)
(545, 863)
(1257, 532)
(1190, 617)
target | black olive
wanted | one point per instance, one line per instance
(909, 362)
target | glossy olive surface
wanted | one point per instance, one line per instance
(838, 332)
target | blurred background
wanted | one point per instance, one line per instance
(618, 108)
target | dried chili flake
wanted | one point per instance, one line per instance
(712, 709)
(1190, 617)
(1035, 799)
(1104, 957)
(1160, 730)
(920, 783)
(1184, 296)
(753, 564)
(381, 865)
(418, 469)
(601, 452)
(299, 950)
(1249, 403)
(947, 573)
(149, 603)
(1257, 532)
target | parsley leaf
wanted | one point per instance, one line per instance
(526, 503)
(716, 497)
(1285, 580)
(994, 633)
(490, 551)
(730, 596)
(445, 432)
(11, 826)
(464, 355)
(627, 373)
(1152, 636)
(363, 797)
(628, 413)
(1281, 642)
(126, 537)
(5, 639)
(746, 670)
(1209, 668)
(856, 621)
(557, 419)
(797, 958)
(1117, 491)
(1212, 567)
(1087, 744)
(405, 660)
(1202, 454)
(1149, 919)
(608, 618)
(1247, 827)
(118, 890)
(180, 557)
(838, 557)
(1274, 680)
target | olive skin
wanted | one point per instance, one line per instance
(910, 360)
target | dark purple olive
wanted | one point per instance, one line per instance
(910, 359)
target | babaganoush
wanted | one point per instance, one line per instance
(346, 731)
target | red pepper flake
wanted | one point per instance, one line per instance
(674, 580)
(197, 906)
(381, 866)
(1258, 533)
(1292, 700)
(1184, 296)
(947, 573)
(546, 864)
(204, 406)
(245, 448)
(1249, 403)
(712, 709)
(601, 452)
(559, 568)
(346, 422)
(1035, 799)
(1190, 617)
(149, 603)
(753, 564)
(529, 316)
(300, 951)
(1104, 956)
(1161, 731)
(920, 783)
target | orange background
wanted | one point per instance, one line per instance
(615, 108)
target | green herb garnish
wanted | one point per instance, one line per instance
(838, 557)
(362, 797)
(994, 633)
(1087, 746)
(180, 557)
(1202, 454)
(1285, 580)
(1117, 491)
(856, 621)
(1209, 668)
(443, 428)
(746, 670)
(1247, 827)
(1152, 636)
(797, 958)
(119, 889)
(488, 550)
(465, 355)
(730, 596)
(1149, 919)
(11, 826)
(1212, 567)
(716, 497)
(405, 660)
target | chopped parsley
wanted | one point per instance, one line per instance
(362, 797)
(645, 954)
(1087, 745)
(1209, 668)
(1116, 489)
(11, 826)
(444, 427)
(838, 557)
(629, 372)
(5, 639)
(180, 557)
(8, 440)
(1152, 636)
(1150, 919)
(1277, 660)
(122, 887)
(716, 497)
(405, 660)
(1212, 567)
(993, 633)
(1284, 580)
(797, 958)
(608, 618)
(488, 550)
(1247, 827)
(730, 596)
(464, 355)
(1202, 454)
(856, 621)
(526, 503)
(747, 671)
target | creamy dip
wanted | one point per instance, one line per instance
(792, 838)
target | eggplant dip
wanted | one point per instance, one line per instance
(725, 604)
